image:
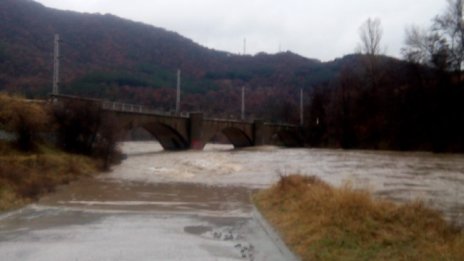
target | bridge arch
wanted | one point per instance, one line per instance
(237, 137)
(167, 136)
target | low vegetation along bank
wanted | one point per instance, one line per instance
(319, 222)
(26, 176)
(47, 144)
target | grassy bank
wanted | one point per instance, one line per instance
(319, 222)
(26, 176)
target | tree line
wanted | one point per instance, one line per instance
(387, 104)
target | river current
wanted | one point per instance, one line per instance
(436, 179)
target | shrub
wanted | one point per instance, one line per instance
(26, 119)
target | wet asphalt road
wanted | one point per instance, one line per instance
(105, 219)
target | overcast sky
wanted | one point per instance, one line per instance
(321, 29)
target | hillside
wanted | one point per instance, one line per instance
(97, 47)
(107, 56)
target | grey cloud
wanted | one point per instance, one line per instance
(314, 28)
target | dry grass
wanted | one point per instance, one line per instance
(24, 177)
(320, 222)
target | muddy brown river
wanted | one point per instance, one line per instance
(195, 205)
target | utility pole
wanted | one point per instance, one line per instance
(178, 92)
(301, 107)
(56, 65)
(243, 103)
(244, 46)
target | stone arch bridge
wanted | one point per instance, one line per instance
(193, 131)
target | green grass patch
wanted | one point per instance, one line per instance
(320, 222)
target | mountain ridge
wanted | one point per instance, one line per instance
(73, 25)
(109, 57)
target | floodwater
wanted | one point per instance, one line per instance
(436, 179)
(195, 205)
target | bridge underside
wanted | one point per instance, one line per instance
(172, 139)
(237, 137)
(168, 137)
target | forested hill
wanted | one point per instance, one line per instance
(106, 43)
(107, 56)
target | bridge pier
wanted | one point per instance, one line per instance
(196, 131)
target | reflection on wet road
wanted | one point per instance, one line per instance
(196, 206)
(100, 219)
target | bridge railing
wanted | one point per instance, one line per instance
(136, 108)
(116, 106)
(126, 107)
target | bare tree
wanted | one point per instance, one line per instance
(442, 46)
(450, 25)
(425, 47)
(371, 34)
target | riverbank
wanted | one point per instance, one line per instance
(24, 177)
(320, 222)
